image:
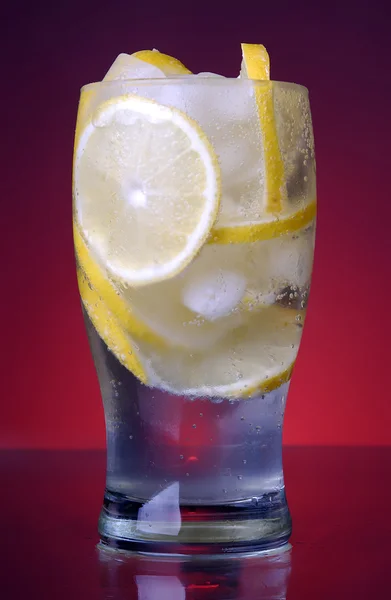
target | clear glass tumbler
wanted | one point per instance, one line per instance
(194, 221)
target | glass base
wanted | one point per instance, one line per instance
(254, 525)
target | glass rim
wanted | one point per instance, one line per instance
(196, 80)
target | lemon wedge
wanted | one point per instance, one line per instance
(146, 189)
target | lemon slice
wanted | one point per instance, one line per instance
(251, 360)
(145, 64)
(264, 230)
(255, 358)
(155, 314)
(146, 189)
(109, 329)
(259, 208)
(256, 65)
(111, 296)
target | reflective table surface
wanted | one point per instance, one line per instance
(340, 499)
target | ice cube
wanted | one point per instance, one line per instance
(161, 514)
(282, 262)
(290, 258)
(164, 587)
(207, 74)
(126, 66)
(214, 294)
(226, 112)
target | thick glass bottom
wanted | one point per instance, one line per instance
(254, 525)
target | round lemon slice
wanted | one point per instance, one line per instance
(146, 189)
(109, 329)
(255, 358)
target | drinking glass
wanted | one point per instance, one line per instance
(194, 338)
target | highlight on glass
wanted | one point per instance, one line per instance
(194, 203)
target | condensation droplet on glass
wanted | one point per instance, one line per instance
(244, 461)
(224, 491)
(187, 474)
(242, 418)
(194, 426)
(181, 456)
(130, 437)
(201, 414)
(240, 476)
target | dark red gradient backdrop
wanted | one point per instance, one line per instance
(340, 51)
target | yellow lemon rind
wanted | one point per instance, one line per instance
(168, 64)
(257, 67)
(242, 391)
(109, 329)
(266, 230)
(111, 297)
(212, 193)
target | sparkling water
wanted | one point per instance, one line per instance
(194, 206)
(217, 450)
(170, 457)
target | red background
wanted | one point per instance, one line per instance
(340, 51)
